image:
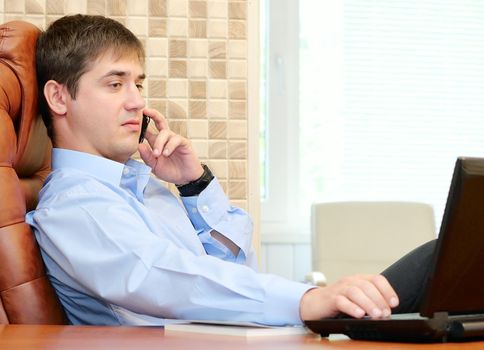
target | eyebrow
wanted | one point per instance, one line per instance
(121, 73)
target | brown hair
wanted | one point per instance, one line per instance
(71, 44)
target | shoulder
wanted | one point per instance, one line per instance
(65, 184)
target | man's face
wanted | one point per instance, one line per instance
(104, 119)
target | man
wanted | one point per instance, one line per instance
(118, 246)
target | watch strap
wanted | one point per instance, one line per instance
(195, 187)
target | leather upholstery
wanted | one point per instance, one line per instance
(26, 295)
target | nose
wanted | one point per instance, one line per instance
(135, 100)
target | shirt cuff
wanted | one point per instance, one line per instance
(208, 208)
(282, 301)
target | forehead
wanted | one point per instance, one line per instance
(110, 61)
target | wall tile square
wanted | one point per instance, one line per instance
(217, 9)
(219, 168)
(198, 109)
(198, 89)
(217, 130)
(198, 48)
(217, 89)
(198, 9)
(157, 8)
(237, 10)
(177, 88)
(177, 69)
(197, 28)
(137, 8)
(178, 127)
(96, 7)
(237, 129)
(137, 25)
(54, 7)
(178, 48)
(198, 129)
(238, 110)
(117, 7)
(237, 69)
(217, 109)
(157, 27)
(217, 149)
(237, 150)
(35, 7)
(158, 104)
(237, 169)
(177, 27)
(237, 90)
(201, 148)
(14, 6)
(237, 189)
(217, 49)
(157, 87)
(218, 69)
(237, 30)
(177, 8)
(75, 6)
(176, 109)
(157, 47)
(197, 69)
(217, 29)
(238, 49)
(156, 67)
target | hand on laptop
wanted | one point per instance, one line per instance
(355, 296)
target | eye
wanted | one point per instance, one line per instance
(140, 87)
(115, 85)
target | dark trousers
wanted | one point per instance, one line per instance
(408, 275)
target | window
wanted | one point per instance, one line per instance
(388, 93)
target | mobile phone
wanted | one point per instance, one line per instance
(144, 126)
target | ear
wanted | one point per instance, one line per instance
(56, 97)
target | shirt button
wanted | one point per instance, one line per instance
(194, 210)
(125, 171)
(205, 209)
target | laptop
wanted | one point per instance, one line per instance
(453, 305)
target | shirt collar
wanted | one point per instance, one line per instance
(100, 167)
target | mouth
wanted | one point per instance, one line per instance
(132, 124)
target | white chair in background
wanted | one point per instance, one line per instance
(365, 237)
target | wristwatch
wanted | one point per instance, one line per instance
(194, 188)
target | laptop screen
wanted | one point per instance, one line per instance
(456, 283)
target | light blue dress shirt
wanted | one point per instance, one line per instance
(121, 249)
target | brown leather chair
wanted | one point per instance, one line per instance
(26, 295)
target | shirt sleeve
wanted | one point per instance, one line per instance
(104, 245)
(211, 210)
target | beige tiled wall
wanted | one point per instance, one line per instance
(197, 67)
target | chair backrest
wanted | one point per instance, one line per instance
(366, 237)
(26, 295)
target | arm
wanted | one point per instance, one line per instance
(171, 156)
(141, 271)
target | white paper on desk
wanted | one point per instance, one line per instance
(233, 328)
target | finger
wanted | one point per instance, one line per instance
(386, 290)
(146, 154)
(364, 296)
(160, 141)
(343, 304)
(160, 121)
(172, 144)
(371, 290)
